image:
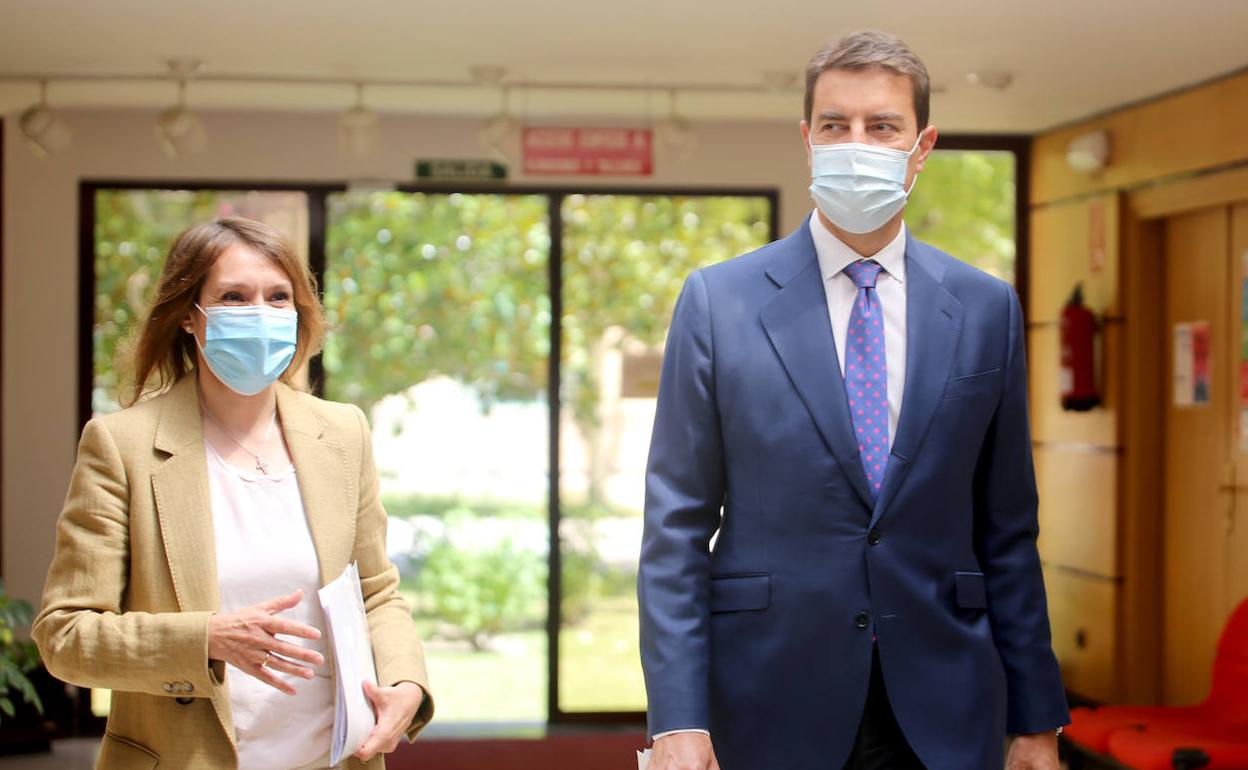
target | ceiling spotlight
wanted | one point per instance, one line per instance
(357, 128)
(995, 79)
(178, 130)
(44, 130)
(674, 131)
(500, 132)
(780, 80)
(487, 74)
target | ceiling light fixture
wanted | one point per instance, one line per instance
(44, 130)
(780, 80)
(357, 128)
(500, 132)
(674, 131)
(178, 130)
(995, 79)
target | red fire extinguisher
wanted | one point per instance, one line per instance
(1078, 330)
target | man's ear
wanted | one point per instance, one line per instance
(927, 143)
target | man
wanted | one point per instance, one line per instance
(854, 402)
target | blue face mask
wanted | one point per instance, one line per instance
(249, 347)
(859, 187)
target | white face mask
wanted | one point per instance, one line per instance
(859, 187)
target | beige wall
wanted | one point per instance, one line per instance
(40, 253)
(1099, 472)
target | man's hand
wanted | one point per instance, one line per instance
(1033, 752)
(683, 751)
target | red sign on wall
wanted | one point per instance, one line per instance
(588, 151)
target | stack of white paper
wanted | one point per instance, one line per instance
(343, 604)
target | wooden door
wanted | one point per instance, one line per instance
(1237, 521)
(1198, 279)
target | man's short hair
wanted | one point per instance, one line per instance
(867, 49)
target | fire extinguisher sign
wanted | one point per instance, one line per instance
(1192, 380)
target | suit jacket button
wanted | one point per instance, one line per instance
(184, 701)
(167, 687)
(862, 620)
(873, 537)
(188, 687)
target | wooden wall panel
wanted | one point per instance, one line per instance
(1082, 614)
(1141, 469)
(1237, 543)
(1049, 423)
(1061, 257)
(1078, 509)
(1151, 141)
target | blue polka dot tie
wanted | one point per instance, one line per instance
(866, 373)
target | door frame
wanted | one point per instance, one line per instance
(1142, 427)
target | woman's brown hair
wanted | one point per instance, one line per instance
(164, 351)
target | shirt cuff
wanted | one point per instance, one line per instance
(683, 730)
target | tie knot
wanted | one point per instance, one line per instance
(864, 273)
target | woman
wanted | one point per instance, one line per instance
(202, 519)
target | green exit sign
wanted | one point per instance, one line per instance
(451, 169)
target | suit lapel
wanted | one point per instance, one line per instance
(183, 502)
(320, 466)
(797, 324)
(933, 325)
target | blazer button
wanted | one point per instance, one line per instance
(167, 687)
(862, 620)
(873, 537)
(184, 701)
(188, 687)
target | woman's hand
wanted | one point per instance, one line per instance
(247, 639)
(395, 708)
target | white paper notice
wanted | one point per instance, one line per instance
(643, 759)
(343, 604)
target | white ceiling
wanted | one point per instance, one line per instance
(1069, 58)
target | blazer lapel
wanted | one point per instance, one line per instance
(320, 466)
(933, 324)
(796, 321)
(183, 502)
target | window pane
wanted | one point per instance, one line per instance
(133, 232)
(440, 311)
(625, 260)
(963, 203)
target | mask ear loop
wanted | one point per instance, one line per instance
(910, 154)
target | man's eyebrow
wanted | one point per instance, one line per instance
(831, 116)
(892, 117)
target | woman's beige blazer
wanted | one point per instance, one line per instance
(133, 580)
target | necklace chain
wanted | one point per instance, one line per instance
(261, 464)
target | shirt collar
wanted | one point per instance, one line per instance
(835, 256)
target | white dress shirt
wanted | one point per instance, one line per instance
(264, 550)
(834, 257)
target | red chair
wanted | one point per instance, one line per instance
(1208, 748)
(1222, 718)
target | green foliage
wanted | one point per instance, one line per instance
(626, 258)
(424, 285)
(484, 591)
(17, 656)
(963, 203)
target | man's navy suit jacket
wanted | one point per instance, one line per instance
(766, 637)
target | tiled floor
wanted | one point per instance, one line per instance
(69, 754)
